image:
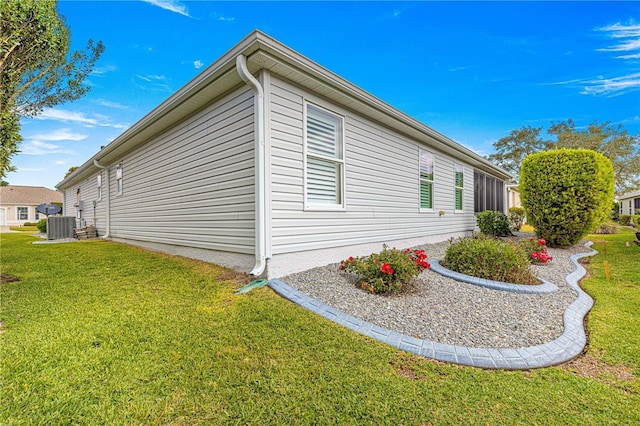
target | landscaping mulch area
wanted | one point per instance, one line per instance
(444, 310)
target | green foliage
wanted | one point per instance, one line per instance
(42, 225)
(606, 228)
(512, 149)
(37, 70)
(613, 142)
(516, 217)
(493, 223)
(138, 337)
(387, 271)
(489, 258)
(625, 219)
(567, 193)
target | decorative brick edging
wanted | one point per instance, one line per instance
(545, 288)
(566, 347)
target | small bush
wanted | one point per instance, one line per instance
(489, 258)
(536, 250)
(606, 228)
(625, 219)
(387, 271)
(42, 225)
(516, 218)
(493, 223)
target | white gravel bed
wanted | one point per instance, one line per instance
(444, 310)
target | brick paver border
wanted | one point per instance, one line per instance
(566, 347)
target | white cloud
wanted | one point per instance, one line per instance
(65, 116)
(170, 5)
(99, 71)
(611, 86)
(627, 38)
(80, 118)
(153, 82)
(59, 135)
(111, 104)
(198, 64)
(35, 147)
(224, 18)
(60, 163)
(604, 86)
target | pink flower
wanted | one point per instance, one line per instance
(385, 268)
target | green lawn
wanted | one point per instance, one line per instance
(104, 333)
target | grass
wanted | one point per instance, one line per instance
(104, 333)
(24, 228)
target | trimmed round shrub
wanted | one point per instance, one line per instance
(567, 193)
(489, 258)
(494, 223)
(42, 225)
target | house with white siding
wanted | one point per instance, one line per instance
(630, 202)
(268, 163)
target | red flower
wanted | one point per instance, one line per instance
(541, 242)
(385, 268)
(350, 259)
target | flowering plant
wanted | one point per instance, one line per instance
(537, 250)
(388, 270)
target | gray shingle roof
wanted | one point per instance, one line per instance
(28, 195)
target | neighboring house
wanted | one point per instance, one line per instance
(630, 203)
(267, 162)
(18, 203)
(513, 196)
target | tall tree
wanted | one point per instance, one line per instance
(614, 142)
(512, 149)
(37, 70)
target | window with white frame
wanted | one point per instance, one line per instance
(99, 186)
(119, 177)
(22, 213)
(324, 161)
(36, 213)
(426, 180)
(459, 187)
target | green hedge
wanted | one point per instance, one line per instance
(567, 193)
(629, 219)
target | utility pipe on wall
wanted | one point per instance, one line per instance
(260, 216)
(107, 200)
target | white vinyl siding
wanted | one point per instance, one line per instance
(324, 166)
(459, 188)
(381, 181)
(193, 184)
(426, 180)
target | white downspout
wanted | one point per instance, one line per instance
(107, 200)
(260, 217)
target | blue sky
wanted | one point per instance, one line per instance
(470, 70)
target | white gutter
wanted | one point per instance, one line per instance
(260, 217)
(107, 200)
